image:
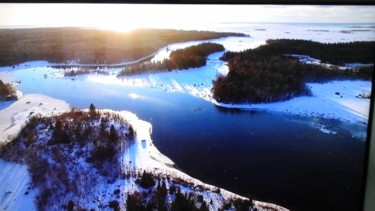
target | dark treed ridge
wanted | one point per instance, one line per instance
(266, 74)
(90, 46)
(333, 53)
(190, 57)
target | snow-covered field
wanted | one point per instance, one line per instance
(15, 178)
(13, 117)
(14, 187)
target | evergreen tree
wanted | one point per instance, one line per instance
(113, 136)
(147, 180)
(92, 109)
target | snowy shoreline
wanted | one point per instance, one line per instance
(331, 100)
(324, 103)
(141, 155)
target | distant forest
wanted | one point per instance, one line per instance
(190, 57)
(333, 53)
(266, 74)
(90, 46)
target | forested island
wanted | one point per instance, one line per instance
(269, 74)
(90, 46)
(190, 57)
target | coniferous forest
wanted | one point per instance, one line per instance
(268, 74)
(333, 53)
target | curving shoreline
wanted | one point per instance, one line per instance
(142, 155)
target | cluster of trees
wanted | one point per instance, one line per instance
(89, 45)
(193, 56)
(187, 202)
(190, 57)
(267, 74)
(7, 92)
(147, 180)
(260, 79)
(84, 71)
(156, 195)
(158, 201)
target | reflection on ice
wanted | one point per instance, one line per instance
(135, 96)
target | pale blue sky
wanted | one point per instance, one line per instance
(125, 17)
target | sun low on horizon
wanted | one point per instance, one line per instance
(126, 17)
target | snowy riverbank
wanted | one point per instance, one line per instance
(13, 117)
(141, 155)
(14, 187)
(331, 100)
(324, 103)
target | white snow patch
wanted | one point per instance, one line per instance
(14, 183)
(13, 117)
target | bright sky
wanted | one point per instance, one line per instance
(125, 17)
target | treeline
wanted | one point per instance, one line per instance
(190, 57)
(90, 46)
(84, 71)
(164, 198)
(266, 74)
(333, 53)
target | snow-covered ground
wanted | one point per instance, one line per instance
(14, 187)
(15, 178)
(13, 117)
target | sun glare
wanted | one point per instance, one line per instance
(126, 17)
